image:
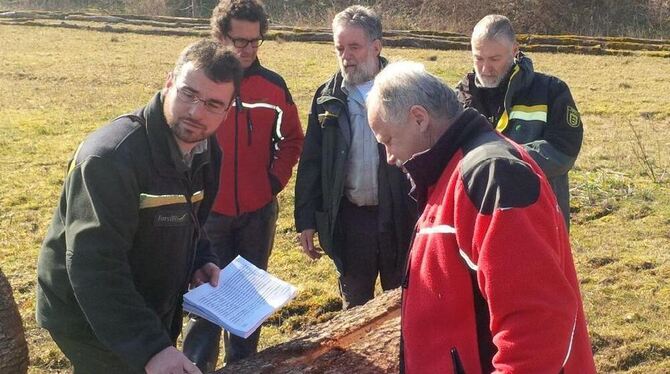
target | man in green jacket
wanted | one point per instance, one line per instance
(125, 242)
(533, 109)
(344, 190)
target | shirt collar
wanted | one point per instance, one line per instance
(200, 147)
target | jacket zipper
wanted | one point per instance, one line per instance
(188, 184)
(196, 227)
(238, 108)
(250, 127)
(456, 362)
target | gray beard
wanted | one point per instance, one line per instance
(363, 73)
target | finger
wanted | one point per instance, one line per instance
(309, 241)
(303, 244)
(214, 276)
(313, 254)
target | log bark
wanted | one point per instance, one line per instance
(365, 339)
(13, 347)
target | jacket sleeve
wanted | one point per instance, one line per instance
(557, 151)
(308, 193)
(100, 223)
(289, 147)
(204, 253)
(522, 254)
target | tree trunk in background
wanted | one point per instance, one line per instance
(13, 347)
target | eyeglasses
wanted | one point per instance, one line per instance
(243, 43)
(212, 106)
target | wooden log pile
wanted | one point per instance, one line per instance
(422, 39)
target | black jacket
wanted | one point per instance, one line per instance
(537, 111)
(121, 248)
(320, 178)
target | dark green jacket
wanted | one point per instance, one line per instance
(121, 248)
(537, 111)
(320, 178)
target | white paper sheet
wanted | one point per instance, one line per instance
(245, 297)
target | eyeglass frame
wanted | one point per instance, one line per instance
(189, 97)
(245, 42)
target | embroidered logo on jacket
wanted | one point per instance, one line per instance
(171, 219)
(573, 117)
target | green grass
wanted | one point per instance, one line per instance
(60, 84)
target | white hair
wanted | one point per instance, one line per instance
(403, 84)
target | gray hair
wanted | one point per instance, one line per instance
(402, 84)
(494, 26)
(360, 16)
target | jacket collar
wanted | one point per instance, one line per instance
(253, 69)
(426, 167)
(165, 153)
(520, 77)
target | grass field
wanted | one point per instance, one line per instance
(58, 85)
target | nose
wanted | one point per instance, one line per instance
(196, 109)
(346, 55)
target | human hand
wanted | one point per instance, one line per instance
(306, 240)
(170, 361)
(209, 272)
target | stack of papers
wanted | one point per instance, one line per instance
(245, 297)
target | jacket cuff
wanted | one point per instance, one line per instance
(142, 358)
(204, 254)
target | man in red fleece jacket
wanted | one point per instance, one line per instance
(261, 141)
(491, 285)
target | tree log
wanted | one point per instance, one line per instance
(13, 347)
(365, 339)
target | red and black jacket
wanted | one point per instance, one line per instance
(491, 283)
(261, 140)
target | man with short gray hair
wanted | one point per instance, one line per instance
(533, 109)
(478, 297)
(357, 204)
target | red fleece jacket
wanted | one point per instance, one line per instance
(261, 143)
(490, 229)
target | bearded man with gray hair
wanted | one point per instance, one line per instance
(533, 109)
(476, 297)
(358, 205)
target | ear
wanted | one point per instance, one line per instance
(377, 46)
(420, 117)
(515, 49)
(169, 80)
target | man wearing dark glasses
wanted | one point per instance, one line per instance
(261, 140)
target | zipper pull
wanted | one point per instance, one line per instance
(250, 127)
(456, 362)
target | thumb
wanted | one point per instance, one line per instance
(214, 272)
